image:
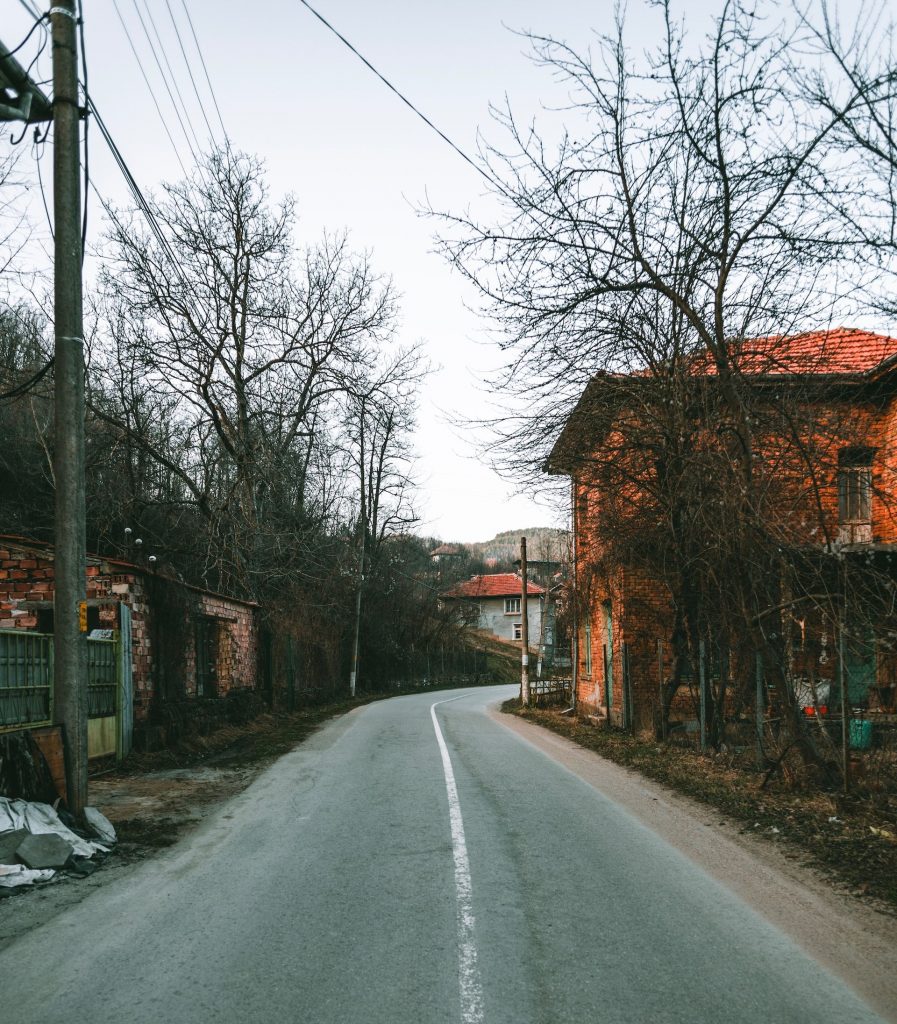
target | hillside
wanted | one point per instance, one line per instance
(542, 542)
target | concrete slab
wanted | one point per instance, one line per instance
(44, 851)
(9, 843)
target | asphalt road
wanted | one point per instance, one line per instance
(419, 864)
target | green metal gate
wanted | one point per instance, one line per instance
(26, 679)
(26, 683)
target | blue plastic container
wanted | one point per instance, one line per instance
(860, 734)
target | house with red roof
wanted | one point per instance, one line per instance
(493, 603)
(826, 456)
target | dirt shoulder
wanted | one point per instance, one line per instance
(851, 839)
(771, 872)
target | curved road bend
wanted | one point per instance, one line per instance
(412, 864)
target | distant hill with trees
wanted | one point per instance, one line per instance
(542, 542)
(499, 553)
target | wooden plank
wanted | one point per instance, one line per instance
(101, 736)
(49, 741)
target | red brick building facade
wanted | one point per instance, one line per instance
(186, 642)
(833, 488)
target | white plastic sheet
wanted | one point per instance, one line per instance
(101, 826)
(12, 875)
(40, 819)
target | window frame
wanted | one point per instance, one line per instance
(512, 606)
(855, 486)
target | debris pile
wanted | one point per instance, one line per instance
(36, 844)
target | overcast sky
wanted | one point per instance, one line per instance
(356, 158)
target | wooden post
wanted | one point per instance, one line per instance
(663, 717)
(845, 730)
(702, 677)
(758, 708)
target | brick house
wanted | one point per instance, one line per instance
(493, 602)
(832, 494)
(184, 642)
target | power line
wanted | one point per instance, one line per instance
(171, 73)
(86, 150)
(150, 88)
(27, 385)
(40, 181)
(177, 112)
(31, 9)
(139, 198)
(205, 69)
(38, 24)
(402, 96)
(202, 106)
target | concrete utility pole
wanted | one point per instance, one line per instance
(353, 673)
(70, 655)
(524, 630)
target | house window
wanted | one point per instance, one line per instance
(855, 485)
(588, 646)
(518, 630)
(512, 606)
(207, 651)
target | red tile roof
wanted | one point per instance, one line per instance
(500, 584)
(841, 350)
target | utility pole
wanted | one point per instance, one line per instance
(353, 674)
(524, 629)
(70, 655)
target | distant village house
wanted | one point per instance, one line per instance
(493, 603)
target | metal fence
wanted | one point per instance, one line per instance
(102, 678)
(768, 720)
(26, 679)
(433, 666)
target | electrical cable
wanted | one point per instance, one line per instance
(25, 386)
(202, 107)
(150, 88)
(31, 9)
(402, 96)
(177, 112)
(40, 181)
(171, 74)
(38, 24)
(41, 48)
(86, 148)
(139, 198)
(205, 70)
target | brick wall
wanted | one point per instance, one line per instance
(805, 508)
(27, 588)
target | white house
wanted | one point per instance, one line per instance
(493, 603)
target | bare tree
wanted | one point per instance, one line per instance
(242, 348)
(689, 217)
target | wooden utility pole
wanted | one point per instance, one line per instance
(524, 629)
(70, 654)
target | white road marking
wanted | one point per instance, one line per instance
(468, 968)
